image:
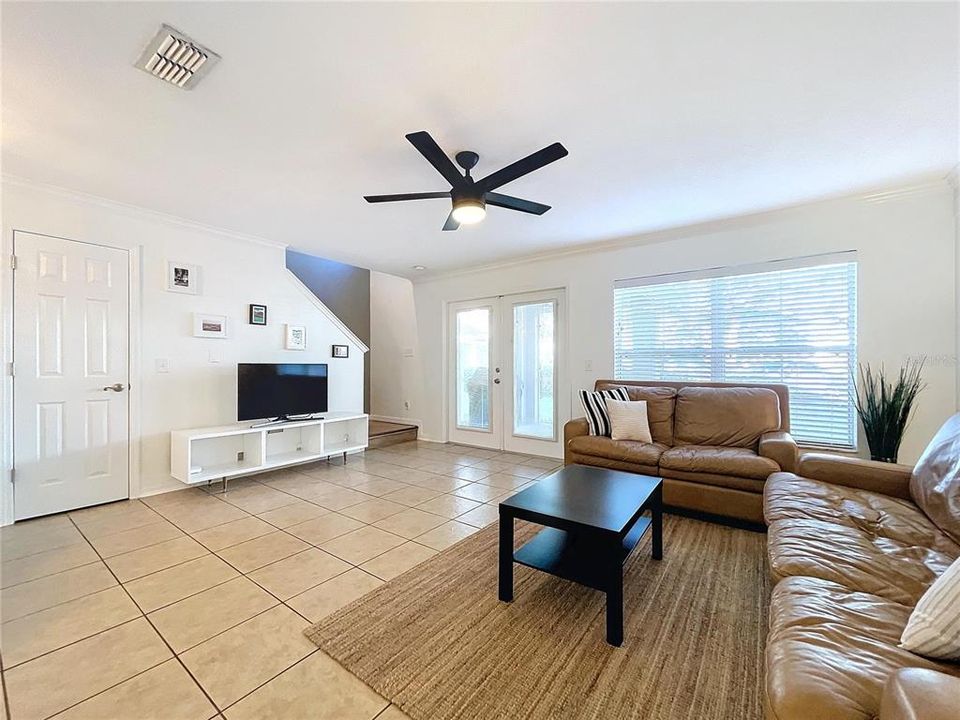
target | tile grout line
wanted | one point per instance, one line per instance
(3, 687)
(240, 573)
(102, 559)
(158, 633)
(41, 577)
(290, 667)
(40, 552)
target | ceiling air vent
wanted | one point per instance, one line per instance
(176, 59)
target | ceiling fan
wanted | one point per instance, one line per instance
(470, 197)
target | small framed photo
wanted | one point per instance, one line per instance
(258, 314)
(295, 338)
(341, 351)
(209, 326)
(183, 278)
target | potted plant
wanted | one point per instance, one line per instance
(885, 407)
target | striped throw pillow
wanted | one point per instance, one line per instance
(933, 629)
(595, 406)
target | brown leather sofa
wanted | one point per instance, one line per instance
(853, 545)
(714, 444)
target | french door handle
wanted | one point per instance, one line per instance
(116, 387)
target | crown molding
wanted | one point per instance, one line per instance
(921, 188)
(134, 210)
(929, 183)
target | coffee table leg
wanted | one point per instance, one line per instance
(615, 600)
(506, 556)
(656, 517)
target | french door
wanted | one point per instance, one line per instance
(506, 370)
(70, 434)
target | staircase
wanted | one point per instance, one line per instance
(383, 434)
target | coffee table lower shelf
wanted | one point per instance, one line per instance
(573, 556)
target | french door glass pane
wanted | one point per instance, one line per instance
(473, 368)
(533, 376)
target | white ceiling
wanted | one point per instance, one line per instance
(672, 113)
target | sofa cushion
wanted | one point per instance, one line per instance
(660, 404)
(913, 693)
(732, 417)
(734, 482)
(854, 558)
(788, 496)
(736, 461)
(935, 483)
(630, 451)
(831, 650)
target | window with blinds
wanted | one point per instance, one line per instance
(795, 325)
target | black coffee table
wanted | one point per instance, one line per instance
(594, 520)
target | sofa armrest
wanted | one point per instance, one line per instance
(780, 447)
(880, 477)
(920, 694)
(572, 429)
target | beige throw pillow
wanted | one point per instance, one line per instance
(628, 420)
(933, 629)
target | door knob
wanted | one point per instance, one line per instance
(116, 387)
(496, 381)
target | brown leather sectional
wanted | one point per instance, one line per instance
(714, 444)
(853, 545)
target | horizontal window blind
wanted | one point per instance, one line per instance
(795, 325)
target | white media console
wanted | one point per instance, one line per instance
(230, 451)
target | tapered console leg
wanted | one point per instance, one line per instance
(506, 557)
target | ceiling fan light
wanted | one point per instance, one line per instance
(469, 211)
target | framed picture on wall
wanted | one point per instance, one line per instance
(341, 351)
(295, 337)
(209, 326)
(258, 314)
(183, 277)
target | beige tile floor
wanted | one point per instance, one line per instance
(192, 605)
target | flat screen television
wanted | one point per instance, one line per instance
(280, 390)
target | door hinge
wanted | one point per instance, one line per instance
(12, 369)
(13, 262)
(13, 476)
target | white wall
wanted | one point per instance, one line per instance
(395, 385)
(235, 272)
(906, 246)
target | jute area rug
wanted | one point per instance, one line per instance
(438, 643)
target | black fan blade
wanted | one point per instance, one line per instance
(522, 167)
(405, 196)
(435, 156)
(515, 203)
(451, 224)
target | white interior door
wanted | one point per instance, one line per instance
(71, 375)
(506, 363)
(475, 376)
